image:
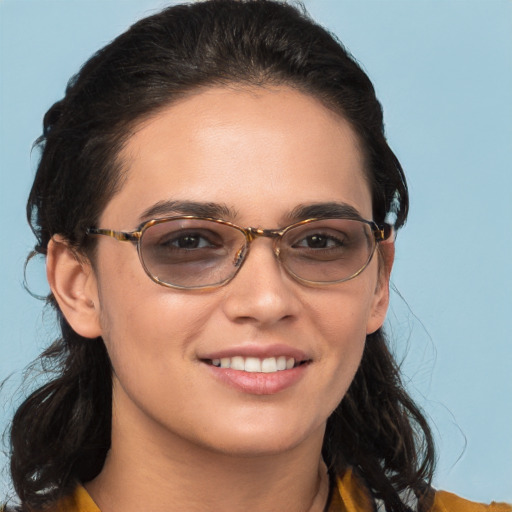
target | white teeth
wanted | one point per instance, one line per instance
(255, 364)
(252, 364)
(237, 363)
(281, 363)
(269, 365)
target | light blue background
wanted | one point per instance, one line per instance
(443, 71)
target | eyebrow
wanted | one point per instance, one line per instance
(199, 209)
(326, 210)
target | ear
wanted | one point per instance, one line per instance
(73, 284)
(386, 254)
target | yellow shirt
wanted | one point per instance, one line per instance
(350, 497)
(353, 497)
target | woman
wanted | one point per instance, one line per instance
(231, 356)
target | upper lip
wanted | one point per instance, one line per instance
(257, 350)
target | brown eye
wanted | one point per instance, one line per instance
(188, 241)
(319, 241)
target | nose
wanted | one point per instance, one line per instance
(261, 293)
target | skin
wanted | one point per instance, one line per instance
(182, 439)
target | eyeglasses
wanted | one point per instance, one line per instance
(190, 252)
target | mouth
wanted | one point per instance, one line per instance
(256, 364)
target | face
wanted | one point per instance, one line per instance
(256, 154)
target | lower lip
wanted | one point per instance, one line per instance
(258, 383)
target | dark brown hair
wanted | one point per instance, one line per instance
(61, 433)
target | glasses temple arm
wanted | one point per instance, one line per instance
(383, 232)
(118, 235)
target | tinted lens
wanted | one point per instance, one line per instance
(327, 251)
(191, 253)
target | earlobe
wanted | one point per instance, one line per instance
(73, 285)
(381, 298)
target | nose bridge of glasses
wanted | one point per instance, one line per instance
(253, 233)
(274, 234)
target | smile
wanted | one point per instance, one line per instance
(258, 375)
(256, 364)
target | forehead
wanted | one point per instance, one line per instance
(259, 151)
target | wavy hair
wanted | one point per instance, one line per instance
(61, 433)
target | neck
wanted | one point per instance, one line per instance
(153, 469)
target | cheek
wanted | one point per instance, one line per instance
(343, 311)
(144, 325)
(150, 340)
(341, 316)
(148, 325)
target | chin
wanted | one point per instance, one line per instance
(257, 440)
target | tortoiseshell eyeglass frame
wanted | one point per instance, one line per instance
(380, 234)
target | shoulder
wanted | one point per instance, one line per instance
(79, 501)
(354, 496)
(448, 502)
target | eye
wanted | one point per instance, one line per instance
(189, 240)
(320, 241)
